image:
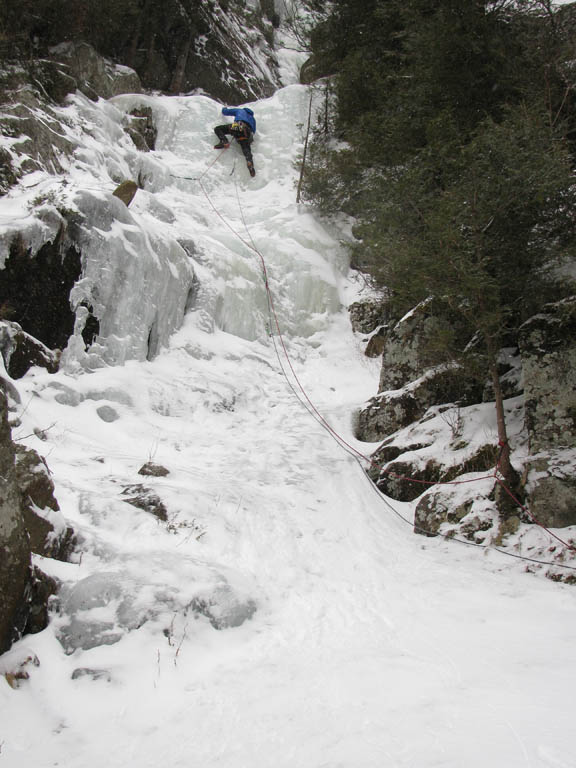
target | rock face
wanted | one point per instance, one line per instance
(409, 384)
(388, 412)
(405, 353)
(548, 349)
(224, 48)
(93, 74)
(47, 531)
(366, 316)
(30, 522)
(15, 573)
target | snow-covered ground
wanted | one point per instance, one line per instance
(283, 615)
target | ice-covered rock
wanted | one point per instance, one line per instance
(136, 281)
(224, 608)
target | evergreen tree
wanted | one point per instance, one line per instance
(457, 163)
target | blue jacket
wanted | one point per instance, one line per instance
(241, 113)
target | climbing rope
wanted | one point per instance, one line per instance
(300, 392)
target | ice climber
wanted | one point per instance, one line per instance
(242, 129)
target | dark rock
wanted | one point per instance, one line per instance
(548, 348)
(384, 415)
(126, 192)
(145, 499)
(42, 588)
(8, 173)
(406, 354)
(314, 68)
(366, 316)
(21, 351)
(391, 411)
(551, 486)
(91, 325)
(407, 479)
(438, 507)
(510, 374)
(37, 495)
(142, 128)
(37, 288)
(387, 453)
(55, 78)
(95, 75)
(155, 470)
(14, 544)
(376, 343)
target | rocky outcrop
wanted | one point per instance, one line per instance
(30, 522)
(409, 384)
(391, 411)
(93, 74)
(442, 510)
(366, 316)
(147, 500)
(20, 351)
(15, 566)
(35, 129)
(48, 533)
(548, 350)
(406, 353)
(551, 488)
(406, 474)
(142, 129)
(224, 48)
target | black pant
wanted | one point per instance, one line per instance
(243, 136)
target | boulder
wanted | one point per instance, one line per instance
(366, 316)
(551, 488)
(142, 129)
(153, 470)
(548, 349)
(20, 351)
(126, 191)
(407, 478)
(388, 412)
(147, 500)
(443, 510)
(406, 350)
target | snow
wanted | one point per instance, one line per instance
(283, 614)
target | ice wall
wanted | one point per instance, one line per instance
(135, 281)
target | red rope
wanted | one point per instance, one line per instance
(320, 418)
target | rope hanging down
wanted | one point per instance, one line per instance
(302, 396)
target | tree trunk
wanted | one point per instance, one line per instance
(507, 506)
(133, 51)
(180, 69)
(302, 168)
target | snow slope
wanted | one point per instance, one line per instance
(283, 615)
